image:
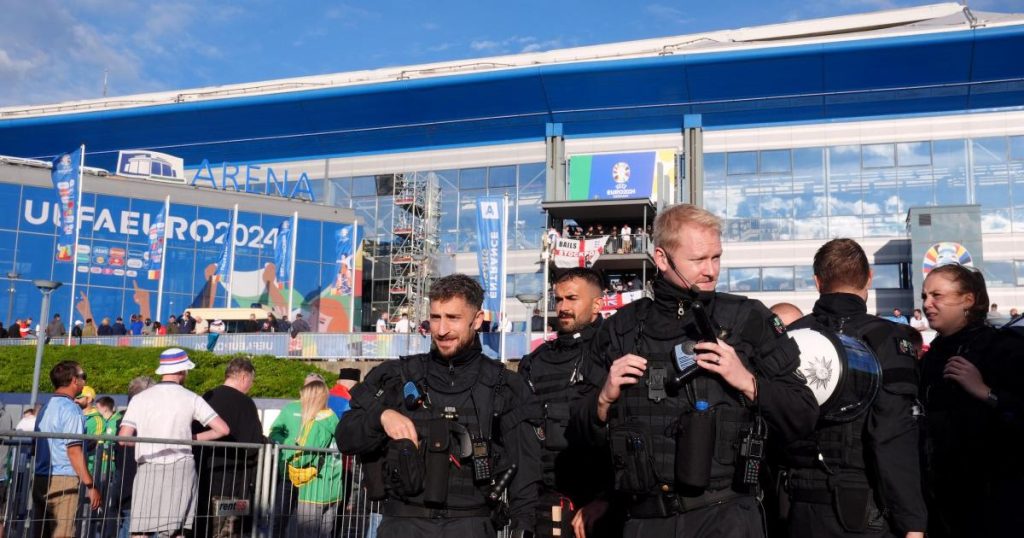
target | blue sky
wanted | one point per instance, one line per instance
(54, 51)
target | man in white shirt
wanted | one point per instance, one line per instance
(403, 325)
(918, 321)
(165, 485)
(382, 323)
(627, 239)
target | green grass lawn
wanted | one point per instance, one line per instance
(110, 369)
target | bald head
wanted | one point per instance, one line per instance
(787, 312)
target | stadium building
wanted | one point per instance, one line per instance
(793, 133)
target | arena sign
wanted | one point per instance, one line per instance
(245, 177)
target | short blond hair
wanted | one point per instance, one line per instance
(670, 220)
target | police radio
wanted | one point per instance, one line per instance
(752, 451)
(482, 471)
(685, 356)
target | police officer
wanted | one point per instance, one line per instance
(859, 476)
(434, 430)
(572, 473)
(697, 381)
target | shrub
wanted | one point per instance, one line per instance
(111, 368)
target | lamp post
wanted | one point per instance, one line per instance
(11, 277)
(47, 287)
(530, 300)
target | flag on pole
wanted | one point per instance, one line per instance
(491, 252)
(66, 176)
(157, 237)
(283, 250)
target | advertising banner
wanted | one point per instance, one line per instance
(157, 237)
(578, 252)
(619, 176)
(490, 220)
(67, 181)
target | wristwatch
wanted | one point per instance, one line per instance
(90, 485)
(992, 400)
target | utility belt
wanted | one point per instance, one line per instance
(670, 504)
(849, 494)
(400, 509)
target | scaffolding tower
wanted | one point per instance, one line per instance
(414, 222)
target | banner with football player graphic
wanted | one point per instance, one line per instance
(67, 181)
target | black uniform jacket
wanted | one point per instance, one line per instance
(971, 443)
(449, 382)
(889, 439)
(561, 372)
(788, 406)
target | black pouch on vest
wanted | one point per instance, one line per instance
(438, 457)
(556, 417)
(853, 507)
(373, 467)
(403, 469)
(695, 446)
(634, 471)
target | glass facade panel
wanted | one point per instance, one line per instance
(777, 279)
(744, 279)
(886, 276)
(999, 274)
(863, 190)
(804, 278)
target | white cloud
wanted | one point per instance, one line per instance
(665, 13)
(484, 45)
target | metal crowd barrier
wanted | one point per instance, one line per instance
(215, 489)
(305, 346)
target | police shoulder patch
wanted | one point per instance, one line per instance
(777, 325)
(905, 347)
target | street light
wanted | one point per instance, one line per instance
(530, 300)
(47, 287)
(11, 277)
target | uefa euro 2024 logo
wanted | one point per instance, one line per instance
(620, 173)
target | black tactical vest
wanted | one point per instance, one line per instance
(557, 373)
(475, 397)
(654, 422)
(841, 445)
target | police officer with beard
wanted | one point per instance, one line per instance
(858, 473)
(436, 431)
(697, 382)
(558, 373)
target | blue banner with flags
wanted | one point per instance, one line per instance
(283, 250)
(224, 263)
(67, 181)
(490, 219)
(157, 237)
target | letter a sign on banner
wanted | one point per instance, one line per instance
(491, 252)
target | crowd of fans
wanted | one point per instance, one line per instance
(624, 238)
(143, 326)
(163, 477)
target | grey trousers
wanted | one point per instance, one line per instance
(314, 520)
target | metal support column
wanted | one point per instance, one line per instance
(691, 189)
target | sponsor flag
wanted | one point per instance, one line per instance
(490, 221)
(578, 253)
(283, 250)
(66, 176)
(157, 237)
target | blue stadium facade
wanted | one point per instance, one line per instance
(808, 130)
